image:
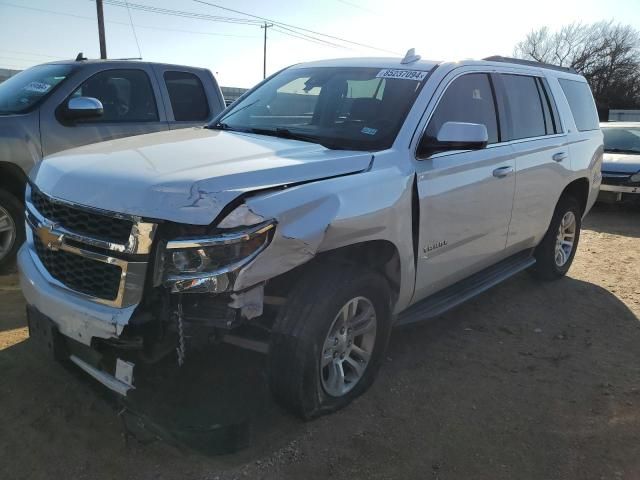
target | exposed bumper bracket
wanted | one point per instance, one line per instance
(107, 380)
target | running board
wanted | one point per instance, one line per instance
(460, 292)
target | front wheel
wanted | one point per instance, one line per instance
(555, 252)
(11, 228)
(329, 339)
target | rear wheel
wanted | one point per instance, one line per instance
(329, 339)
(555, 252)
(11, 228)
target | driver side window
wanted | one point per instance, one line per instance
(126, 96)
(469, 99)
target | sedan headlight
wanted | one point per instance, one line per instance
(209, 264)
(635, 177)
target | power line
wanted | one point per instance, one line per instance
(359, 7)
(181, 13)
(133, 29)
(84, 17)
(305, 38)
(184, 14)
(201, 16)
(191, 31)
(281, 24)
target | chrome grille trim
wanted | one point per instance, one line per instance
(140, 239)
(133, 275)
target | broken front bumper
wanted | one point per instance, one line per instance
(75, 316)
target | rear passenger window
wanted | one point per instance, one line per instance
(581, 104)
(186, 93)
(468, 99)
(525, 105)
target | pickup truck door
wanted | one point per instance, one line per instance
(465, 197)
(132, 106)
(191, 97)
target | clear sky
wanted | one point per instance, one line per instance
(36, 31)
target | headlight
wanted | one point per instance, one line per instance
(208, 255)
(208, 264)
(635, 177)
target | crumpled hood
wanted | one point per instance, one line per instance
(186, 176)
(621, 163)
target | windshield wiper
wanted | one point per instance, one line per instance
(286, 133)
(621, 150)
(219, 126)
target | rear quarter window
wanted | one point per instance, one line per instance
(581, 103)
(187, 96)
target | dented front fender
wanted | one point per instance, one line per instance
(333, 213)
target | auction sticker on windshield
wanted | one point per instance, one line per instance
(37, 87)
(402, 74)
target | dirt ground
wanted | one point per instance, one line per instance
(528, 381)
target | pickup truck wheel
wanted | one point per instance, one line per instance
(555, 253)
(11, 228)
(329, 339)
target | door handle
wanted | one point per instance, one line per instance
(502, 172)
(558, 157)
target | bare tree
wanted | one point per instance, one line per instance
(607, 54)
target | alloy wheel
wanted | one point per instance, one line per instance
(7, 232)
(348, 347)
(566, 238)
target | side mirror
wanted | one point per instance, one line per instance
(80, 108)
(455, 136)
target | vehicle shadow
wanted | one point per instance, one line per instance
(11, 303)
(619, 219)
(9, 269)
(523, 364)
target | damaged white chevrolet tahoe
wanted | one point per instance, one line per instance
(331, 202)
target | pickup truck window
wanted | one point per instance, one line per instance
(186, 93)
(470, 99)
(126, 95)
(27, 89)
(339, 107)
(525, 106)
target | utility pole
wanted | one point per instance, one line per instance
(264, 63)
(103, 42)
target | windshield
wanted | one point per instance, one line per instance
(23, 91)
(622, 139)
(338, 107)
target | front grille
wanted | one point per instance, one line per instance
(81, 274)
(80, 221)
(618, 180)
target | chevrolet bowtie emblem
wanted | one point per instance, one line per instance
(49, 238)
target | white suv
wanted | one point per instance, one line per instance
(331, 202)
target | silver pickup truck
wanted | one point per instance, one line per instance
(59, 105)
(333, 201)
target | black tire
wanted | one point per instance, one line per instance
(15, 209)
(546, 267)
(302, 326)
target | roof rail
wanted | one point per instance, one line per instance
(531, 63)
